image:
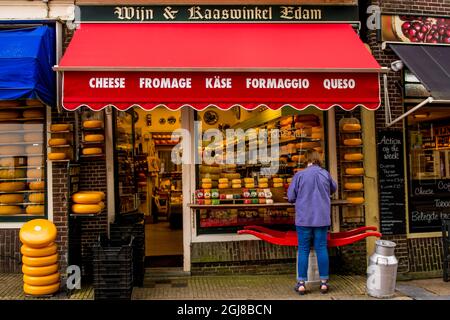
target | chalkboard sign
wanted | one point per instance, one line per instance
(392, 182)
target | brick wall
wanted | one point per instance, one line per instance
(425, 255)
(10, 251)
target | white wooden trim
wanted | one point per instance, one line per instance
(11, 225)
(109, 152)
(332, 160)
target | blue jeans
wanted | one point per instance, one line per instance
(319, 237)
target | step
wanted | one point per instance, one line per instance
(165, 273)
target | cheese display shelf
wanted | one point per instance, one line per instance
(21, 119)
(92, 126)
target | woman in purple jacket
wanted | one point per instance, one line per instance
(310, 190)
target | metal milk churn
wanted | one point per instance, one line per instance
(382, 270)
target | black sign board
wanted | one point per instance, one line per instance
(219, 13)
(392, 182)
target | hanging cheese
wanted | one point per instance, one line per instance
(354, 171)
(33, 113)
(278, 185)
(86, 208)
(11, 186)
(39, 271)
(57, 142)
(36, 197)
(33, 137)
(92, 124)
(40, 290)
(43, 280)
(60, 127)
(353, 186)
(38, 252)
(56, 156)
(355, 200)
(92, 151)
(10, 126)
(351, 127)
(94, 138)
(12, 173)
(38, 233)
(353, 156)
(35, 161)
(35, 173)
(35, 210)
(37, 185)
(86, 198)
(34, 149)
(9, 115)
(12, 150)
(11, 198)
(6, 210)
(40, 261)
(10, 138)
(353, 142)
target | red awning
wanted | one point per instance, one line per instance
(218, 64)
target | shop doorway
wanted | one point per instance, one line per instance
(159, 186)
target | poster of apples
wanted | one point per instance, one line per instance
(415, 29)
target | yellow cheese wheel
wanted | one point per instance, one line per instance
(286, 121)
(92, 151)
(12, 173)
(86, 198)
(351, 127)
(36, 197)
(249, 180)
(236, 181)
(92, 124)
(298, 157)
(249, 185)
(86, 208)
(56, 156)
(289, 180)
(353, 142)
(263, 185)
(36, 185)
(10, 138)
(353, 186)
(102, 205)
(40, 290)
(277, 180)
(35, 161)
(317, 129)
(60, 127)
(236, 186)
(206, 185)
(223, 180)
(41, 252)
(263, 180)
(40, 261)
(33, 113)
(35, 173)
(355, 200)
(33, 137)
(39, 271)
(12, 186)
(38, 233)
(206, 180)
(10, 126)
(308, 145)
(9, 114)
(57, 142)
(35, 210)
(43, 280)
(210, 169)
(353, 156)
(11, 198)
(94, 137)
(231, 176)
(356, 171)
(101, 193)
(34, 149)
(7, 210)
(277, 185)
(317, 135)
(223, 185)
(12, 150)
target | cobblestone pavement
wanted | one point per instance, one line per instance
(261, 287)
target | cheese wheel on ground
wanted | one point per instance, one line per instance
(92, 151)
(40, 261)
(353, 186)
(36, 185)
(206, 180)
(12, 150)
(10, 126)
(11, 198)
(35, 210)
(33, 137)
(277, 185)
(33, 113)
(206, 185)
(86, 208)
(36, 197)
(263, 185)
(277, 180)
(351, 127)
(60, 127)
(223, 185)
(236, 181)
(352, 142)
(39, 271)
(9, 114)
(92, 124)
(223, 180)
(6, 210)
(101, 193)
(43, 280)
(38, 252)
(34, 149)
(35, 161)
(57, 142)
(354, 171)
(353, 156)
(40, 290)
(236, 186)
(94, 138)
(355, 200)
(56, 156)
(35, 173)
(38, 233)
(86, 198)
(12, 173)
(10, 138)
(12, 186)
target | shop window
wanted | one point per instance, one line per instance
(22, 160)
(251, 178)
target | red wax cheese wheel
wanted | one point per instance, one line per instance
(40, 290)
(37, 233)
(40, 261)
(87, 198)
(39, 271)
(41, 252)
(43, 280)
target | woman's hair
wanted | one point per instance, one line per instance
(312, 156)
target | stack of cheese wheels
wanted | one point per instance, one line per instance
(88, 202)
(249, 182)
(277, 182)
(224, 183)
(263, 183)
(206, 183)
(39, 258)
(236, 183)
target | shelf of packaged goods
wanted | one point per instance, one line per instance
(22, 119)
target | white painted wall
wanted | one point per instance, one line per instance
(37, 9)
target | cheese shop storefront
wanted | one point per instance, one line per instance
(236, 106)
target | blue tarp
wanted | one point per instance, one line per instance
(26, 59)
